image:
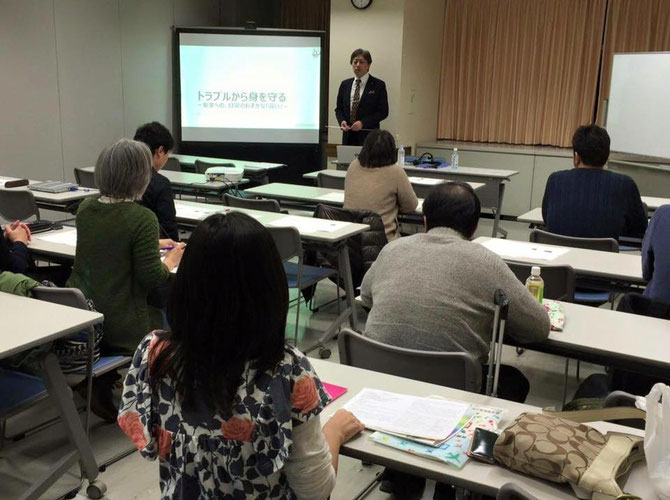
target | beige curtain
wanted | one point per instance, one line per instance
(305, 14)
(633, 26)
(519, 71)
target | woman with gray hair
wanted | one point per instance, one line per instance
(118, 257)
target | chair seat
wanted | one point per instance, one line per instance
(591, 297)
(311, 275)
(17, 390)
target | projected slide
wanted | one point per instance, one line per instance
(249, 88)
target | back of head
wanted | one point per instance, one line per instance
(227, 307)
(123, 170)
(378, 150)
(155, 135)
(454, 205)
(592, 144)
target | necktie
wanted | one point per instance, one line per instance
(357, 99)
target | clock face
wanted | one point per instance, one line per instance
(361, 4)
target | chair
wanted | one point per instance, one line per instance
(328, 180)
(85, 178)
(459, 370)
(559, 281)
(18, 204)
(17, 391)
(298, 275)
(201, 166)
(511, 491)
(172, 164)
(73, 297)
(251, 203)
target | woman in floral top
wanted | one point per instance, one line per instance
(229, 409)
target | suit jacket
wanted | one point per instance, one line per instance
(372, 108)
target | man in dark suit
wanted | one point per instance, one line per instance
(361, 101)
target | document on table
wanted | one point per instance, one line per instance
(62, 237)
(188, 212)
(426, 181)
(336, 197)
(426, 418)
(523, 250)
(309, 225)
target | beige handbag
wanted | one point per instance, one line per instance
(564, 451)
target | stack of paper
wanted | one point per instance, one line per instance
(423, 418)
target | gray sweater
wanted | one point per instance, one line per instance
(434, 291)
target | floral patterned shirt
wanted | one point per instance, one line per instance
(205, 455)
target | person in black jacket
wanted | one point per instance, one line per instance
(158, 197)
(14, 255)
(362, 101)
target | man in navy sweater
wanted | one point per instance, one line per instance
(590, 201)
(362, 101)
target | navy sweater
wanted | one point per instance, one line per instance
(593, 203)
(14, 257)
(656, 255)
(158, 198)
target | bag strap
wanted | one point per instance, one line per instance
(616, 457)
(604, 414)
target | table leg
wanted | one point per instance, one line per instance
(61, 395)
(496, 220)
(344, 265)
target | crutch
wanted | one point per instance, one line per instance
(497, 336)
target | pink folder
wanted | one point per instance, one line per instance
(334, 391)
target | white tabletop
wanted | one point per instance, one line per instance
(654, 203)
(474, 475)
(310, 228)
(484, 173)
(247, 165)
(534, 216)
(421, 181)
(29, 322)
(614, 335)
(55, 198)
(616, 266)
(198, 181)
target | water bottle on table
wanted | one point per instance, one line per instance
(401, 155)
(454, 159)
(535, 284)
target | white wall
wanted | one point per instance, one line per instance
(79, 74)
(405, 40)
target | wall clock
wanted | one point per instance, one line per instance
(361, 4)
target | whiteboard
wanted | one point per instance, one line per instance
(638, 112)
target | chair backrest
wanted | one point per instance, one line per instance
(559, 281)
(330, 181)
(85, 178)
(201, 166)
(545, 237)
(288, 242)
(459, 370)
(172, 164)
(251, 203)
(72, 297)
(18, 204)
(511, 491)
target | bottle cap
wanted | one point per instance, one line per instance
(455, 149)
(535, 271)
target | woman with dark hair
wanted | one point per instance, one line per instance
(374, 182)
(228, 407)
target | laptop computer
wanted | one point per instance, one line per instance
(346, 154)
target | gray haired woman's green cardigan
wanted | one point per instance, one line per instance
(117, 263)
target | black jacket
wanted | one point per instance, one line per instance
(14, 257)
(372, 108)
(158, 198)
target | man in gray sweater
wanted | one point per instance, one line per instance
(434, 291)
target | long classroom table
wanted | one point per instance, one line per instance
(475, 476)
(29, 323)
(54, 201)
(617, 268)
(255, 170)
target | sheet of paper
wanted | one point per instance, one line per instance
(336, 197)
(408, 415)
(426, 181)
(523, 250)
(309, 225)
(188, 212)
(63, 237)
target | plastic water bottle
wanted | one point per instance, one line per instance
(535, 284)
(454, 159)
(401, 155)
